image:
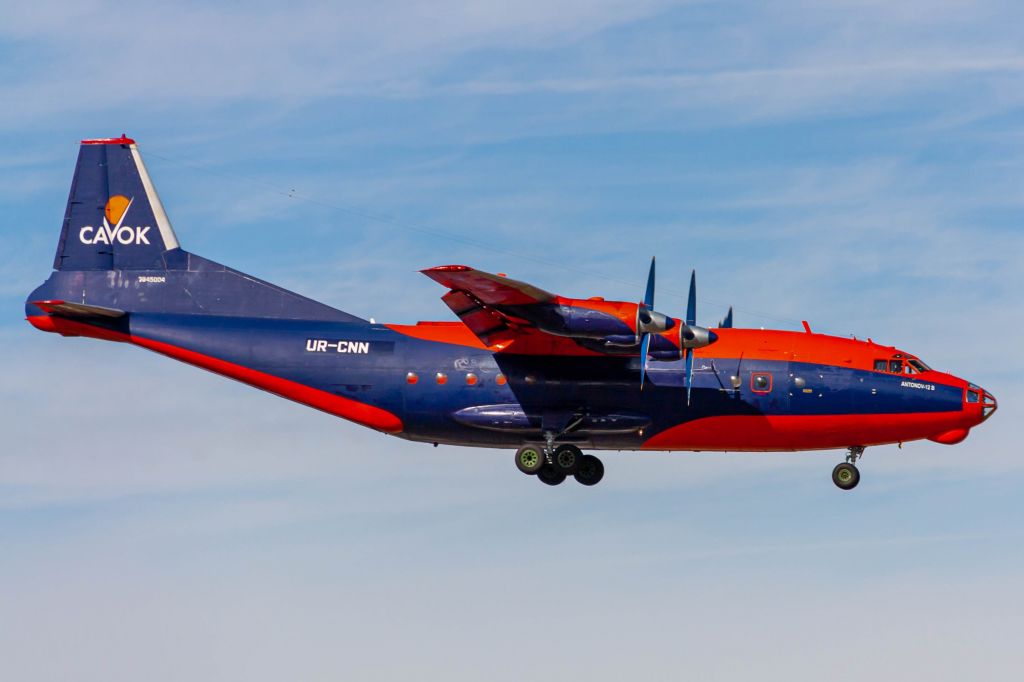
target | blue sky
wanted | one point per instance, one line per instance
(856, 164)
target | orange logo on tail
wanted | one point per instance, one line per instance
(116, 206)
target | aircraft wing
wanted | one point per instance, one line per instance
(487, 304)
(521, 318)
(486, 288)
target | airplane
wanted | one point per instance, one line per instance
(521, 368)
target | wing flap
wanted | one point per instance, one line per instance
(488, 325)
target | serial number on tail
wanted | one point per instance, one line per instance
(325, 346)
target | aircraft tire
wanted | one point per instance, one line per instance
(550, 475)
(845, 476)
(590, 470)
(567, 459)
(530, 459)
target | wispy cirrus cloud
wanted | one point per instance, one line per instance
(854, 163)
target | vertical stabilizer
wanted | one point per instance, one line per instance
(114, 219)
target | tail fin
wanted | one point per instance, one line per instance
(114, 219)
(118, 256)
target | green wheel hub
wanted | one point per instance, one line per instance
(529, 458)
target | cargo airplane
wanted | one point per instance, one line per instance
(521, 368)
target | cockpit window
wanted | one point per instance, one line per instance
(897, 365)
(918, 365)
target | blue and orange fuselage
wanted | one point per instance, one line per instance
(438, 382)
(521, 366)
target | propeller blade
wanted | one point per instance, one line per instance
(645, 344)
(689, 374)
(726, 323)
(649, 295)
(691, 303)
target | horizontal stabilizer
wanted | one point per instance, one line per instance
(66, 309)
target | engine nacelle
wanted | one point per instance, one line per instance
(696, 337)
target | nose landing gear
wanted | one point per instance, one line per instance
(846, 476)
(553, 465)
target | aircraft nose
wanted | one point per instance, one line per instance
(977, 395)
(988, 405)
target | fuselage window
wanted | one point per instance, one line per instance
(896, 366)
(881, 365)
(761, 382)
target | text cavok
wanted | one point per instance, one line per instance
(105, 234)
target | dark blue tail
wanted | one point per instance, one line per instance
(114, 219)
(117, 251)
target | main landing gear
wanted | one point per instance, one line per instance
(552, 465)
(846, 475)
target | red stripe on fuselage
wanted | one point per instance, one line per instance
(353, 410)
(802, 432)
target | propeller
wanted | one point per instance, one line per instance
(726, 322)
(691, 336)
(649, 321)
(691, 322)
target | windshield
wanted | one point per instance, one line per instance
(918, 365)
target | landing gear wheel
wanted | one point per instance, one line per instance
(590, 470)
(550, 475)
(567, 459)
(530, 459)
(846, 476)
